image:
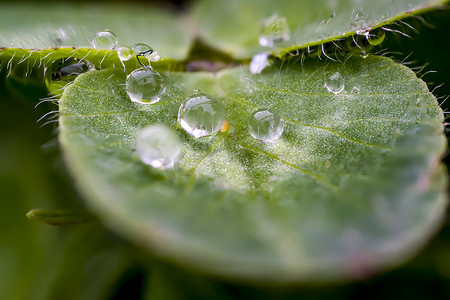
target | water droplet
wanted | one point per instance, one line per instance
(201, 115)
(141, 47)
(145, 86)
(275, 30)
(258, 63)
(335, 83)
(355, 89)
(265, 125)
(158, 146)
(105, 39)
(376, 37)
(364, 54)
(125, 53)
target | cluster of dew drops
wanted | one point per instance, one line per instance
(201, 115)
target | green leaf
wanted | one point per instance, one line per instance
(311, 23)
(41, 25)
(353, 185)
(59, 217)
(234, 27)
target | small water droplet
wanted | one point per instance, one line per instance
(201, 115)
(355, 90)
(258, 63)
(158, 146)
(125, 53)
(105, 39)
(364, 54)
(275, 30)
(141, 47)
(265, 125)
(376, 37)
(335, 83)
(145, 86)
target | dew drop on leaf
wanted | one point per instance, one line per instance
(364, 53)
(142, 48)
(258, 63)
(265, 125)
(125, 53)
(376, 37)
(158, 146)
(355, 89)
(201, 115)
(105, 39)
(145, 86)
(275, 30)
(335, 83)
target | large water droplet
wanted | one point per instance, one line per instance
(258, 63)
(265, 125)
(105, 39)
(335, 83)
(158, 146)
(145, 86)
(275, 30)
(125, 53)
(201, 115)
(142, 48)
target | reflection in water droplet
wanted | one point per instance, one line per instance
(105, 40)
(145, 86)
(151, 55)
(376, 37)
(201, 115)
(335, 83)
(158, 146)
(364, 54)
(275, 30)
(258, 63)
(265, 125)
(125, 53)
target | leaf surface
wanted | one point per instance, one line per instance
(352, 186)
